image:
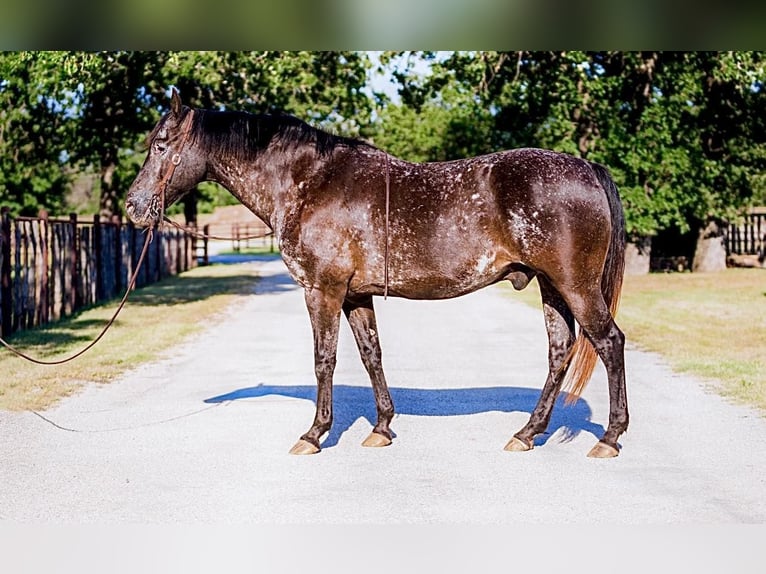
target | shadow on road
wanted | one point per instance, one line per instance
(235, 258)
(351, 402)
(275, 284)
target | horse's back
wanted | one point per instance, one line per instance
(528, 198)
(460, 225)
(540, 209)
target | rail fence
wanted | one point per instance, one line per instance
(50, 268)
(748, 236)
(235, 236)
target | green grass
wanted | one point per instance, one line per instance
(155, 318)
(256, 250)
(711, 325)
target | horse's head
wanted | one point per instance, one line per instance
(172, 166)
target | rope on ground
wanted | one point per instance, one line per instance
(92, 344)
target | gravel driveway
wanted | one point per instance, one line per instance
(203, 435)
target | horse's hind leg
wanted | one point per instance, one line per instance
(361, 316)
(594, 317)
(559, 323)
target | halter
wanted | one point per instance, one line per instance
(162, 186)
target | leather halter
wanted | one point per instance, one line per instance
(175, 159)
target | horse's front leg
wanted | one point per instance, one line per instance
(324, 310)
(361, 317)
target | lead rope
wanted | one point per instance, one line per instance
(385, 251)
(131, 285)
(201, 235)
(162, 187)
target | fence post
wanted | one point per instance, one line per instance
(75, 293)
(46, 288)
(132, 251)
(100, 295)
(5, 272)
(117, 219)
(158, 257)
(205, 259)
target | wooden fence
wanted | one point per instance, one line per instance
(748, 236)
(49, 268)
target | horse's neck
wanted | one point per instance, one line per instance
(264, 185)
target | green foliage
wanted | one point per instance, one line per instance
(31, 167)
(437, 132)
(64, 113)
(683, 133)
(324, 87)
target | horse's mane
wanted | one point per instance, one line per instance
(243, 135)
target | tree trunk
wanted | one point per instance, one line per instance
(109, 204)
(710, 253)
(190, 201)
(638, 256)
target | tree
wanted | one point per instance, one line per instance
(87, 109)
(97, 107)
(442, 130)
(118, 99)
(682, 132)
(324, 87)
(32, 131)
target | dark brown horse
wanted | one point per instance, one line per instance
(354, 222)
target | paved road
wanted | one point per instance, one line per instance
(203, 435)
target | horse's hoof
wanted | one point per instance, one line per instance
(603, 450)
(304, 447)
(376, 440)
(518, 445)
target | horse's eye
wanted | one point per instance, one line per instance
(159, 147)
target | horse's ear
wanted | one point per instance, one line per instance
(175, 102)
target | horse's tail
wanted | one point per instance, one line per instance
(582, 357)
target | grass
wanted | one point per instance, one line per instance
(155, 317)
(711, 325)
(260, 250)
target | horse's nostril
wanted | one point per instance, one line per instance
(131, 210)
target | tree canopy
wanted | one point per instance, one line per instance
(682, 132)
(64, 113)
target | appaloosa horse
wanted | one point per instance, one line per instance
(353, 222)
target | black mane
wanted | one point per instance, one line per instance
(244, 135)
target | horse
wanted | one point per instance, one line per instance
(353, 223)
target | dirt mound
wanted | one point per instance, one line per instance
(227, 215)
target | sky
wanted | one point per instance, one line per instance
(383, 82)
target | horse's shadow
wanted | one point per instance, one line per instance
(351, 402)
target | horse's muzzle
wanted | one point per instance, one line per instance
(144, 213)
